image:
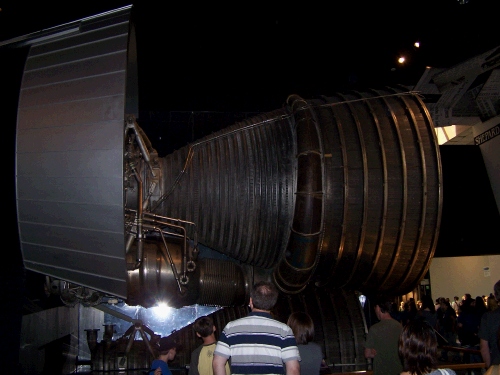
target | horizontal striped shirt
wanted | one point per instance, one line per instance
(257, 344)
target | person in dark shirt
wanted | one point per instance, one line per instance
(446, 326)
(382, 339)
(467, 325)
(488, 333)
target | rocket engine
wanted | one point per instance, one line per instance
(327, 197)
(336, 192)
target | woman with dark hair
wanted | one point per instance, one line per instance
(418, 350)
(311, 353)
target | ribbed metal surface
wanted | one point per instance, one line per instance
(238, 187)
(69, 155)
(367, 218)
(383, 191)
(295, 269)
(220, 282)
(212, 283)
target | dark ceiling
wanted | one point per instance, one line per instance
(205, 56)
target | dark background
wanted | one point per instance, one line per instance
(231, 61)
(204, 56)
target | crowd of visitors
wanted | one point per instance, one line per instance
(402, 342)
(457, 323)
(471, 323)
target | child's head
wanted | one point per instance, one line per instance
(204, 326)
(168, 347)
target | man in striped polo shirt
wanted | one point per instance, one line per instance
(257, 343)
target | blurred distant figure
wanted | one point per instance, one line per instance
(409, 312)
(494, 369)
(403, 315)
(446, 325)
(488, 333)
(467, 325)
(412, 311)
(310, 352)
(437, 303)
(455, 304)
(492, 303)
(417, 348)
(382, 339)
(479, 308)
(428, 312)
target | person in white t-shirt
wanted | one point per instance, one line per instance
(455, 304)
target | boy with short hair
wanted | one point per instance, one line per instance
(202, 356)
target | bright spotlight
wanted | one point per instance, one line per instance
(401, 60)
(161, 310)
(416, 44)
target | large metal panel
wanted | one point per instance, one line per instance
(78, 84)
